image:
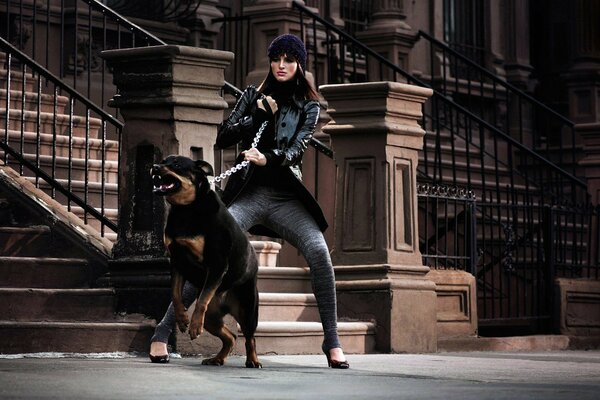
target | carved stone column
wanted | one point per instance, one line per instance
(379, 272)
(169, 99)
(389, 35)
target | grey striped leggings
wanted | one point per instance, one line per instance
(280, 211)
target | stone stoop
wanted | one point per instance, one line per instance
(47, 307)
(48, 262)
(297, 337)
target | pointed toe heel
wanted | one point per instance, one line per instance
(164, 359)
(334, 363)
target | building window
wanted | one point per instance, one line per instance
(356, 15)
(464, 28)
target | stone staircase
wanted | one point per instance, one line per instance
(39, 126)
(49, 260)
(48, 285)
(289, 320)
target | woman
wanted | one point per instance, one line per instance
(269, 196)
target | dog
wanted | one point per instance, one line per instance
(207, 248)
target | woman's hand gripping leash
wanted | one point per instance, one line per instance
(252, 155)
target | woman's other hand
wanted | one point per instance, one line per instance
(270, 101)
(255, 157)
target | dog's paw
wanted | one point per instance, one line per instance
(253, 364)
(195, 330)
(213, 361)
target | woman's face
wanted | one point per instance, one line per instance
(283, 68)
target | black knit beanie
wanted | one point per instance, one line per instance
(290, 45)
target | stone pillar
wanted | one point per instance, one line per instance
(389, 35)
(379, 271)
(169, 99)
(583, 83)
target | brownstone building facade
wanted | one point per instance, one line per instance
(456, 161)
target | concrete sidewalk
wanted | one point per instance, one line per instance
(499, 375)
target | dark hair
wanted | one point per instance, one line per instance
(304, 89)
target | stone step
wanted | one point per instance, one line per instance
(284, 280)
(75, 337)
(78, 187)
(277, 337)
(61, 144)
(71, 305)
(17, 77)
(46, 101)
(29, 241)
(288, 307)
(38, 272)
(110, 213)
(95, 170)
(285, 337)
(28, 121)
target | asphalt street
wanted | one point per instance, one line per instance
(491, 375)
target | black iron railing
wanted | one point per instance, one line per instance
(503, 105)
(54, 131)
(527, 247)
(340, 58)
(447, 227)
(68, 153)
(463, 148)
(156, 10)
(67, 37)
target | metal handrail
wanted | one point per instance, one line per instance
(436, 93)
(31, 64)
(56, 80)
(54, 184)
(118, 18)
(356, 43)
(494, 77)
(156, 10)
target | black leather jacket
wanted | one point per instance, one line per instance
(295, 127)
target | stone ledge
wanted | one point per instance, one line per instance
(518, 343)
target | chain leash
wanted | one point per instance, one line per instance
(244, 163)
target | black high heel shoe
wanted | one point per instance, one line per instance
(334, 363)
(164, 359)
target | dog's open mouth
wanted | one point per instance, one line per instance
(165, 184)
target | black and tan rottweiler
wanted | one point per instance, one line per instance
(208, 248)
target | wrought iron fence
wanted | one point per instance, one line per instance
(447, 227)
(501, 104)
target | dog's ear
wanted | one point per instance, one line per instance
(206, 167)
